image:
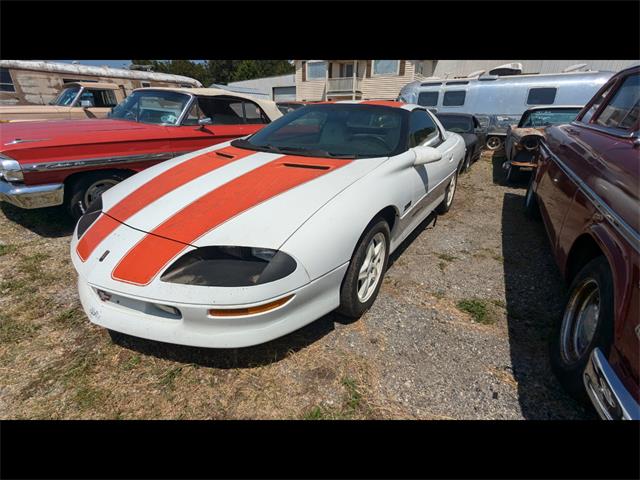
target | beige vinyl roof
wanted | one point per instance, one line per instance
(105, 85)
(269, 107)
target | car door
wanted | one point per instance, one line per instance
(423, 131)
(228, 117)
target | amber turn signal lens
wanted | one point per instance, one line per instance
(238, 312)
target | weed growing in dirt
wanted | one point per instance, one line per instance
(477, 309)
(7, 249)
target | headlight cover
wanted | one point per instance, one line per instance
(10, 169)
(90, 216)
(229, 266)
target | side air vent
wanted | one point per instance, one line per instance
(225, 155)
(304, 165)
(458, 82)
(429, 84)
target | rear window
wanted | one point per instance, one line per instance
(622, 109)
(428, 99)
(454, 98)
(541, 96)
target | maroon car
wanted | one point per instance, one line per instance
(586, 189)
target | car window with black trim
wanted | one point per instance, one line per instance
(422, 129)
(254, 114)
(623, 107)
(222, 110)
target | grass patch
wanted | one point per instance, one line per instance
(439, 294)
(499, 303)
(446, 257)
(70, 316)
(477, 309)
(167, 380)
(132, 363)
(351, 407)
(88, 398)
(13, 330)
(442, 266)
(7, 249)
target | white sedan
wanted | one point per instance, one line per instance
(246, 241)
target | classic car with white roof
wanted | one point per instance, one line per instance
(246, 241)
(72, 162)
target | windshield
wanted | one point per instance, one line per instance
(456, 123)
(335, 130)
(545, 118)
(66, 97)
(151, 106)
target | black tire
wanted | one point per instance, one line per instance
(350, 304)
(494, 143)
(569, 365)
(446, 203)
(466, 164)
(79, 198)
(531, 207)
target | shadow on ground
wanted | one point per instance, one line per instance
(535, 296)
(52, 222)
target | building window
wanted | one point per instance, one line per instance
(6, 84)
(541, 96)
(386, 67)
(316, 70)
(454, 98)
(146, 84)
(428, 99)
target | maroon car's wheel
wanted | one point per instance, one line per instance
(587, 323)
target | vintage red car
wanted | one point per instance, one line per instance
(587, 190)
(71, 162)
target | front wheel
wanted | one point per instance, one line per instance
(531, 207)
(367, 267)
(494, 143)
(587, 324)
(89, 188)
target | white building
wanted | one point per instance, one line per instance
(278, 88)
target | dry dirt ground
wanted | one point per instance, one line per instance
(459, 331)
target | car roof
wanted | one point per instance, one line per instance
(268, 106)
(553, 107)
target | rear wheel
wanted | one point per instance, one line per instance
(494, 143)
(587, 324)
(367, 267)
(88, 188)
(446, 203)
(531, 208)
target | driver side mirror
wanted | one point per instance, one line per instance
(426, 155)
(204, 121)
(86, 103)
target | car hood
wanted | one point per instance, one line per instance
(16, 137)
(216, 196)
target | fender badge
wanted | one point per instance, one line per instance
(104, 255)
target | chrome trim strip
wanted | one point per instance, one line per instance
(622, 227)
(616, 132)
(19, 140)
(98, 161)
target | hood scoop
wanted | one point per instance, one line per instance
(307, 165)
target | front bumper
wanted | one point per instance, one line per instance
(195, 327)
(31, 196)
(607, 393)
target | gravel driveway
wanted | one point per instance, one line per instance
(459, 330)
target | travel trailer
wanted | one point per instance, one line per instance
(499, 101)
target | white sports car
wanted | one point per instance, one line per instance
(246, 241)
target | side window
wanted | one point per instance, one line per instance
(104, 98)
(586, 118)
(622, 109)
(222, 111)
(454, 98)
(254, 114)
(6, 84)
(428, 99)
(193, 116)
(541, 96)
(422, 129)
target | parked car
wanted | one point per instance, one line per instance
(76, 101)
(469, 128)
(521, 145)
(244, 242)
(499, 101)
(286, 107)
(72, 162)
(587, 189)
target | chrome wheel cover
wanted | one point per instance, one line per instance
(494, 143)
(371, 269)
(96, 189)
(580, 321)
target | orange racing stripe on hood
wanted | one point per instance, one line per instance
(151, 191)
(143, 262)
(384, 103)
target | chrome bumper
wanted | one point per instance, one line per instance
(32, 196)
(607, 393)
